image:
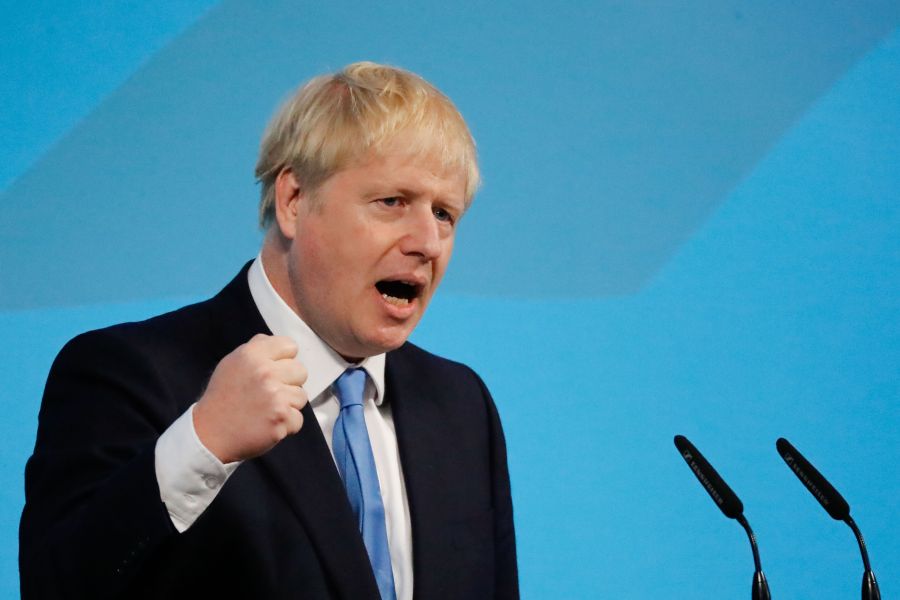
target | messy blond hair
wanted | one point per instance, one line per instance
(335, 120)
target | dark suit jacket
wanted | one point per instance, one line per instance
(94, 525)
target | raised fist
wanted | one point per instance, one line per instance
(253, 399)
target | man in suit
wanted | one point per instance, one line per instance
(283, 439)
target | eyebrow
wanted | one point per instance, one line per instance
(407, 191)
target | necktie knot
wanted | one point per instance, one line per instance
(350, 387)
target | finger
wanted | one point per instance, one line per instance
(290, 371)
(294, 422)
(273, 346)
(295, 397)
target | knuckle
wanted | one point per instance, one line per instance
(274, 408)
(262, 372)
(280, 412)
(242, 353)
(279, 433)
(269, 386)
(228, 359)
(277, 429)
(289, 344)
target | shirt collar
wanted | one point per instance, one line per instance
(323, 364)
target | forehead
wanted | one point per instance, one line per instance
(398, 169)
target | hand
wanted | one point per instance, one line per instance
(253, 399)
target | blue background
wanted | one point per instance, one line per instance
(689, 224)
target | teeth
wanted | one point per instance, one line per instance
(395, 301)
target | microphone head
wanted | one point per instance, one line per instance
(817, 485)
(718, 490)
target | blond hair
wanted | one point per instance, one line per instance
(335, 120)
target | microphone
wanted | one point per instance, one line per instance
(728, 503)
(833, 503)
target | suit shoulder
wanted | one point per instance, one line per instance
(449, 374)
(421, 358)
(161, 340)
(153, 367)
(160, 329)
(186, 329)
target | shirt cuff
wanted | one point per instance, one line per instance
(189, 475)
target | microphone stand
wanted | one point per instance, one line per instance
(727, 501)
(833, 503)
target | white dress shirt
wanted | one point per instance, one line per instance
(190, 476)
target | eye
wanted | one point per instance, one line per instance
(391, 201)
(443, 215)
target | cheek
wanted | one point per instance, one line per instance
(311, 269)
(444, 260)
(448, 249)
(309, 249)
(333, 264)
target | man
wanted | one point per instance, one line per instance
(282, 439)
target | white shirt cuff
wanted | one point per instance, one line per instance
(189, 475)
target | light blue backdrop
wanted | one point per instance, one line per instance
(690, 224)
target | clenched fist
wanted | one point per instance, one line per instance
(253, 399)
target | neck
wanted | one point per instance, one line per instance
(274, 255)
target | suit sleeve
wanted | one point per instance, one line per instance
(505, 566)
(93, 511)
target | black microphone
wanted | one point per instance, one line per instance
(833, 503)
(727, 501)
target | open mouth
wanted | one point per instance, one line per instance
(398, 293)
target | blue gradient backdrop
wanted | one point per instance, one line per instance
(690, 224)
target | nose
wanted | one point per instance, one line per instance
(422, 236)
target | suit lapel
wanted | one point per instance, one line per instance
(417, 420)
(303, 471)
(301, 466)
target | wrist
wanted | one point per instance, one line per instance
(208, 436)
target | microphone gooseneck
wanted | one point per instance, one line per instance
(743, 521)
(870, 589)
(832, 501)
(859, 540)
(760, 586)
(728, 502)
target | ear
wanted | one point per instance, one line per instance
(287, 202)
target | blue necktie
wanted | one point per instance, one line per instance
(353, 454)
